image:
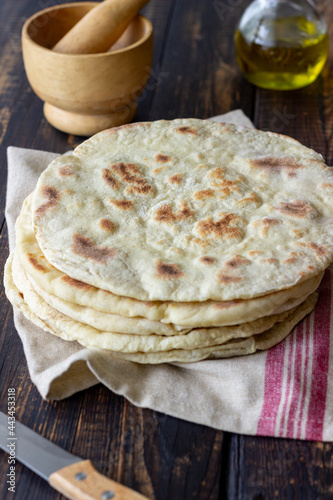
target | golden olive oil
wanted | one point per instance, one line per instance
(282, 54)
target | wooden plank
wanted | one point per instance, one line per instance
(279, 468)
(157, 455)
(141, 448)
(326, 107)
(160, 13)
(200, 74)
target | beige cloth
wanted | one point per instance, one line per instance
(225, 394)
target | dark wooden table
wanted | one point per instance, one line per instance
(194, 75)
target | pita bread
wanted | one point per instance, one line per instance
(36, 310)
(53, 283)
(187, 210)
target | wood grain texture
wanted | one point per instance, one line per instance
(199, 75)
(194, 74)
(280, 468)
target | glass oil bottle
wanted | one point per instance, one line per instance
(281, 44)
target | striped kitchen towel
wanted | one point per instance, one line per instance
(298, 389)
(284, 392)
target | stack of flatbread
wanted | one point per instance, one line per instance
(175, 241)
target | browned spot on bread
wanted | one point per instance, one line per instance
(276, 164)
(252, 198)
(201, 242)
(109, 179)
(175, 179)
(226, 187)
(130, 173)
(86, 248)
(122, 204)
(225, 278)
(327, 185)
(298, 233)
(290, 260)
(187, 130)
(158, 170)
(114, 130)
(207, 260)
(168, 271)
(34, 262)
(175, 250)
(218, 173)
(223, 185)
(223, 228)
(295, 208)
(255, 252)
(65, 170)
(75, 283)
(229, 184)
(143, 189)
(270, 260)
(205, 193)
(184, 212)
(47, 263)
(53, 197)
(162, 158)
(226, 304)
(237, 261)
(318, 249)
(224, 192)
(107, 225)
(21, 295)
(166, 214)
(267, 223)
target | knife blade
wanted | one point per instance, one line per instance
(72, 476)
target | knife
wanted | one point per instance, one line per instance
(72, 476)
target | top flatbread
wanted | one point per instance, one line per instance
(187, 210)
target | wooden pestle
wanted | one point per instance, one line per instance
(98, 30)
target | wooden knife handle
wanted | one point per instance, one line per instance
(81, 481)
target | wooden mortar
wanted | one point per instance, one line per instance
(86, 93)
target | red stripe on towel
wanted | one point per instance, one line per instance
(272, 390)
(305, 381)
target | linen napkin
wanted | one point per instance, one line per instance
(285, 392)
